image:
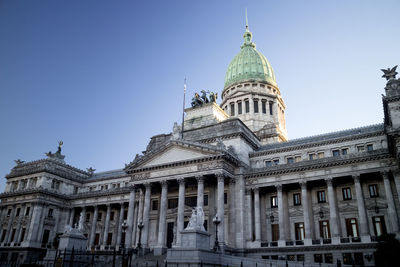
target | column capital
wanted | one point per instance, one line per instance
(122, 204)
(356, 178)
(303, 184)
(199, 178)
(181, 181)
(232, 181)
(247, 191)
(108, 205)
(278, 187)
(147, 185)
(164, 183)
(220, 177)
(329, 181)
(256, 189)
(385, 174)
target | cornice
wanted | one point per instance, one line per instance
(345, 246)
(31, 191)
(315, 144)
(231, 136)
(391, 98)
(50, 166)
(103, 193)
(318, 164)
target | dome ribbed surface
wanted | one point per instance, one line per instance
(249, 65)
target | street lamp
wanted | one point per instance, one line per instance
(216, 221)
(271, 217)
(124, 226)
(140, 226)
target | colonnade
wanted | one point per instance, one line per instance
(334, 216)
(141, 213)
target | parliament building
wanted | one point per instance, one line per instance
(316, 199)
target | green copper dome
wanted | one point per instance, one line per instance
(249, 65)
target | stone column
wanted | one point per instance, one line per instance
(7, 239)
(396, 177)
(282, 230)
(306, 213)
(106, 225)
(93, 226)
(232, 212)
(239, 207)
(120, 220)
(146, 212)
(34, 224)
(257, 216)
(71, 217)
(162, 219)
(200, 191)
(18, 229)
(391, 210)
(41, 223)
(249, 205)
(140, 213)
(131, 210)
(181, 209)
(220, 208)
(362, 214)
(82, 218)
(334, 220)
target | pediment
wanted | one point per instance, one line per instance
(175, 154)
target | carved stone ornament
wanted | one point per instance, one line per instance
(209, 166)
(196, 221)
(356, 178)
(278, 187)
(329, 181)
(389, 73)
(140, 176)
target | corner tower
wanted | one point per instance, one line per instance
(251, 94)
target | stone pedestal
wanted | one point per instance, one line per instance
(72, 238)
(195, 239)
(204, 115)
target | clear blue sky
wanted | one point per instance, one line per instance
(104, 76)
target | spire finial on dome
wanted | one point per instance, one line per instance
(247, 22)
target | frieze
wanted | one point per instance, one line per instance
(210, 166)
(140, 176)
(318, 164)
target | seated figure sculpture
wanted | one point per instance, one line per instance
(196, 221)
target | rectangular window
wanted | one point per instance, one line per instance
(205, 200)
(347, 259)
(87, 217)
(275, 232)
(27, 211)
(225, 198)
(299, 231)
(324, 231)
(373, 190)
(255, 106)
(112, 214)
(270, 108)
(264, 107)
(328, 258)
(99, 216)
(9, 212)
(370, 147)
(321, 155)
(232, 109)
(379, 225)
(125, 214)
(345, 151)
(276, 161)
(321, 196)
(297, 159)
(274, 202)
(22, 235)
(311, 156)
(346, 193)
(317, 257)
(239, 108)
(191, 201)
(247, 106)
(296, 199)
(335, 153)
(172, 203)
(290, 160)
(154, 204)
(3, 235)
(50, 213)
(351, 227)
(18, 211)
(268, 163)
(360, 148)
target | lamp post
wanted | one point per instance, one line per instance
(124, 226)
(216, 221)
(140, 226)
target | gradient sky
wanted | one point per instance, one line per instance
(105, 76)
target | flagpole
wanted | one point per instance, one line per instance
(183, 109)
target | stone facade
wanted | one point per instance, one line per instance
(320, 198)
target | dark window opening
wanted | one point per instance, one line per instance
(274, 202)
(247, 106)
(232, 109)
(373, 190)
(346, 193)
(255, 106)
(321, 196)
(264, 107)
(296, 199)
(239, 108)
